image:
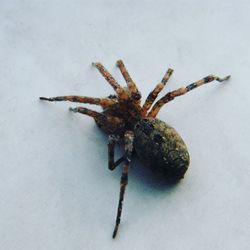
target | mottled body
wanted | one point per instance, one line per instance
(160, 147)
(137, 128)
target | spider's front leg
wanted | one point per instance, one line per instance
(135, 93)
(103, 102)
(122, 94)
(100, 117)
(128, 139)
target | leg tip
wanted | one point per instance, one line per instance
(73, 109)
(119, 62)
(115, 231)
(114, 234)
(44, 98)
(223, 79)
(170, 71)
(227, 77)
(97, 65)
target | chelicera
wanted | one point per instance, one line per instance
(136, 127)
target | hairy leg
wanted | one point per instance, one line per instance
(128, 138)
(136, 95)
(153, 95)
(104, 102)
(99, 117)
(181, 91)
(113, 139)
(110, 79)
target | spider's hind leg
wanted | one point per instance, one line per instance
(113, 139)
(181, 91)
(128, 138)
(158, 88)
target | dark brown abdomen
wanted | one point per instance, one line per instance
(160, 147)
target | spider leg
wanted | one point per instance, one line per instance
(136, 95)
(128, 138)
(181, 91)
(104, 102)
(113, 139)
(100, 117)
(158, 88)
(111, 80)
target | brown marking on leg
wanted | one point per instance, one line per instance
(153, 95)
(110, 79)
(128, 137)
(136, 95)
(181, 91)
(104, 102)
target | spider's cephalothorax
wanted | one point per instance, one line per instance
(137, 128)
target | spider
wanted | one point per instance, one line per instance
(136, 127)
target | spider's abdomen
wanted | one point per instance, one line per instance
(160, 147)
